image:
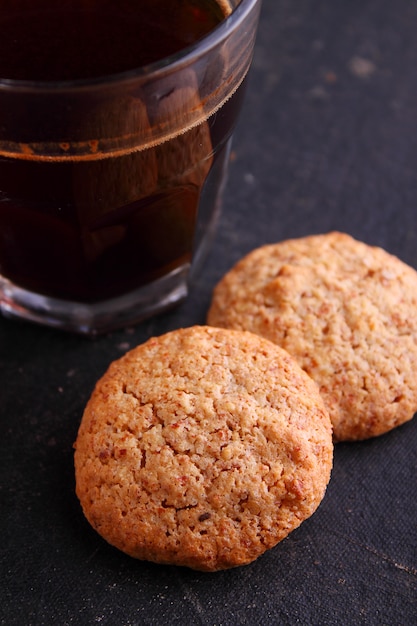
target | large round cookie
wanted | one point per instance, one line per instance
(346, 311)
(203, 447)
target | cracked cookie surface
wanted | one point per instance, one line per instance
(203, 447)
(346, 311)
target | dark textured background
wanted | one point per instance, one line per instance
(327, 140)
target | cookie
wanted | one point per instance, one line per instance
(346, 311)
(203, 448)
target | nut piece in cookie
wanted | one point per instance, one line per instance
(346, 311)
(203, 448)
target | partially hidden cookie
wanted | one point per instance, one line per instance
(203, 448)
(346, 311)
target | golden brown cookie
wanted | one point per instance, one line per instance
(203, 447)
(346, 311)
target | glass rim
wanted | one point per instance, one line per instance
(191, 52)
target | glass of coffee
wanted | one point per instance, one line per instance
(115, 124)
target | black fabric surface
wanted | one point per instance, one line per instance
(326, 140)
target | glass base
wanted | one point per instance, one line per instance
(96, 318)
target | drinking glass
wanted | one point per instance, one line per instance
(110, 187)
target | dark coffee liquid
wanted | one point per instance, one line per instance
(86, 230)
(76, 39)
